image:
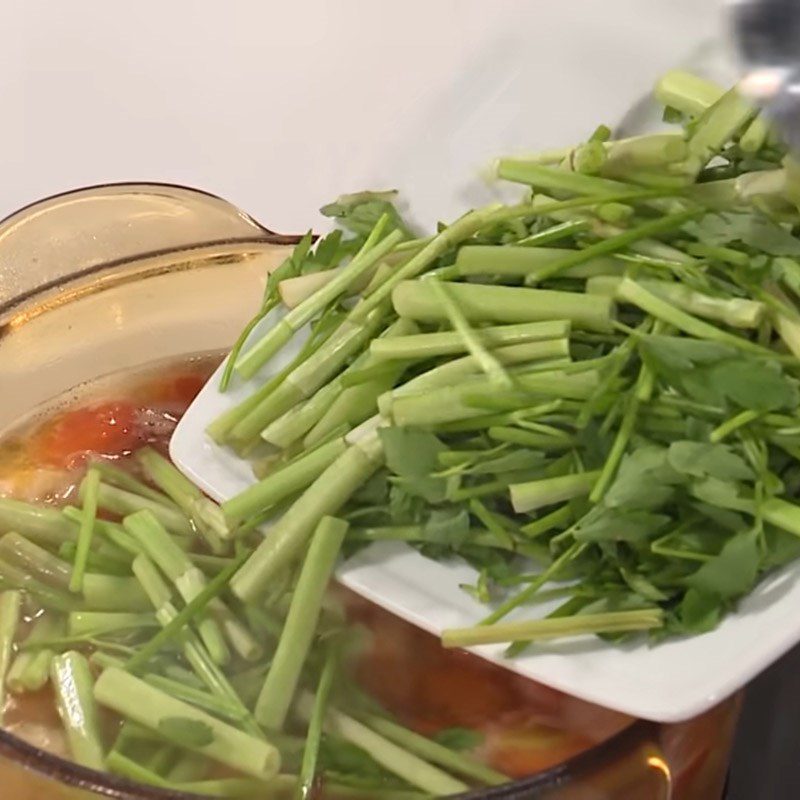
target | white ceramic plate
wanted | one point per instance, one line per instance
(668, 682)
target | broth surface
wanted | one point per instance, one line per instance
(520, 727)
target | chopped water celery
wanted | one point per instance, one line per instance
(91, 485)
(325, 496)
(503, 304)
(10, 614)
(219, 620)
(555, 628)
(395, 758)
(204, 513)
(42, 524)
(72, 680)
(30, 670)
(372, 252)
(316, 723)
(157, 711)
(301, 623)
(434, 752)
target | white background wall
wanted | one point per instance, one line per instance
(280, 106)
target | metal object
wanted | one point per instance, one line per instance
(766, 36)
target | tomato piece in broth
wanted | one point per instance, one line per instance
(107, 429)
(115, 427)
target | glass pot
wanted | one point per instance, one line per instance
(112, 278)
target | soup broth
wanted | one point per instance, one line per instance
(483, 713)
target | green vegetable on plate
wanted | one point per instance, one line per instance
(591, 394)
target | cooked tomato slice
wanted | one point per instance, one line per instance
(108, 428)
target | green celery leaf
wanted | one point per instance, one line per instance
(375, 490)
(769, 237)
(670, 577)
(726, 519)
(782, 547)
(404, 508)
(495, 564)
(359, 212)
(434, 490)
(290, 267)
(339, 757)
(448, 526)
(616, 599)
(753, 384)
(642, 586)
(459, 738)
(594, 445)
(698, 612)
(326, 254)
(717, 375)
(645, 480)
(413, 455)
(698, 429)
(733, 572)
(703, 459)
(753, 230)
(697, 384)
(669, 353)
(480, 589)
(619, 526)
(724, 494)
(718, 229)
